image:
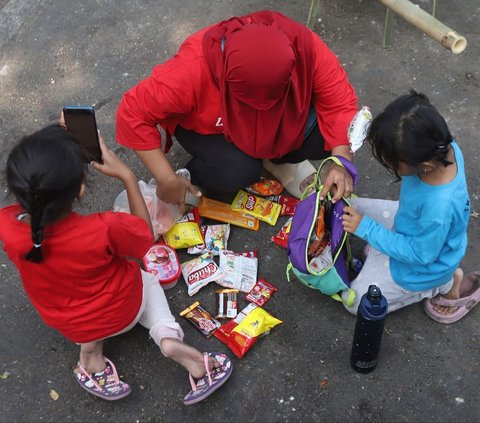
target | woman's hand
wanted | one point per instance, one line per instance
(351, 219)
(173, 191)
(338, 181)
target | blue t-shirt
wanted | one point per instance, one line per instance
(429, 238)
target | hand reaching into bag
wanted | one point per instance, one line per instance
(351, 219)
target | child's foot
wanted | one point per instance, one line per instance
(453, 294)
(203, 387)
(187, 356)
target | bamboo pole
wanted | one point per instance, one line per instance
(312, 14)
(428, 24)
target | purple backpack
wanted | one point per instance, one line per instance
(318, 247)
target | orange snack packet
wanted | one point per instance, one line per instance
(216, 210)
(265, 187)
(256, 206)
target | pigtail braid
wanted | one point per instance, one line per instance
(35, 255)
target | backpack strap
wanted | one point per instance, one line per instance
(351, 294)
(289, 271)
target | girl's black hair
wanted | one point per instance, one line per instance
(409, 130)
(45, 172)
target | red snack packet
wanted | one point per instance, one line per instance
(265, 187)
(241, 333)
(288, 205)
(261, 292)
(287, 202)
(281, 238)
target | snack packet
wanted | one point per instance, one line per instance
(216, 210)
(358, 129)
(261, 292)
(201, 319)
(215, 236)
(281, 238)
(226, 303)
(186, 232)
(241, 333)
(199, 272)
(256, 206)
(265, 187)
(239, 271)
(288, 204)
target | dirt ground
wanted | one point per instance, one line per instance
(57, 52)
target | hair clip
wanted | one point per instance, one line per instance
(441, 147)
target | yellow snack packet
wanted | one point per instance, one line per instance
(184, 235)
(258, 207)
(257, 322)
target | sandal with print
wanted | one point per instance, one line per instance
(105, 384)
(213, 379)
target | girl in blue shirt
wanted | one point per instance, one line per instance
(415, 244)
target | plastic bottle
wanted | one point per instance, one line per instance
(368, 330)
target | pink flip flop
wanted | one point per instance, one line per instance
(106, 384)
(212, 380)
(469, 297)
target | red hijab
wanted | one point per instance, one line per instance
(263, 66)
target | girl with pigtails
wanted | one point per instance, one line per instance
(75, 269)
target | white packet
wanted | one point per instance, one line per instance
(239, 271)
(216, 238)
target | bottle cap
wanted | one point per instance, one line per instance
(374, 292)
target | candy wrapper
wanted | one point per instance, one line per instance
(216, 210)
(201, 319)
(186, 232)
(242, 332)
(256, 206)
(215, 236)
(281, 238)
(226, 303)
(265, 187)
(261, 292)
(287, 202)
(199, 272)
(239, 271)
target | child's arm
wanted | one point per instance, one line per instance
(423, 248)
(114, 166)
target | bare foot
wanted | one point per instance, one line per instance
(91, 358)
(453, 294)
(187, 356)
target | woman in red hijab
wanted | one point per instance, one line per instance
(252, 91)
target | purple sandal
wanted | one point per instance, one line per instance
(105, 384)
(212, 380)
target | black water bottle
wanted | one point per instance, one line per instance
(367, 338)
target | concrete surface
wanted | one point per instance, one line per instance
(90, 52)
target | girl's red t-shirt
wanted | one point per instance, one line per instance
(85, 287)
